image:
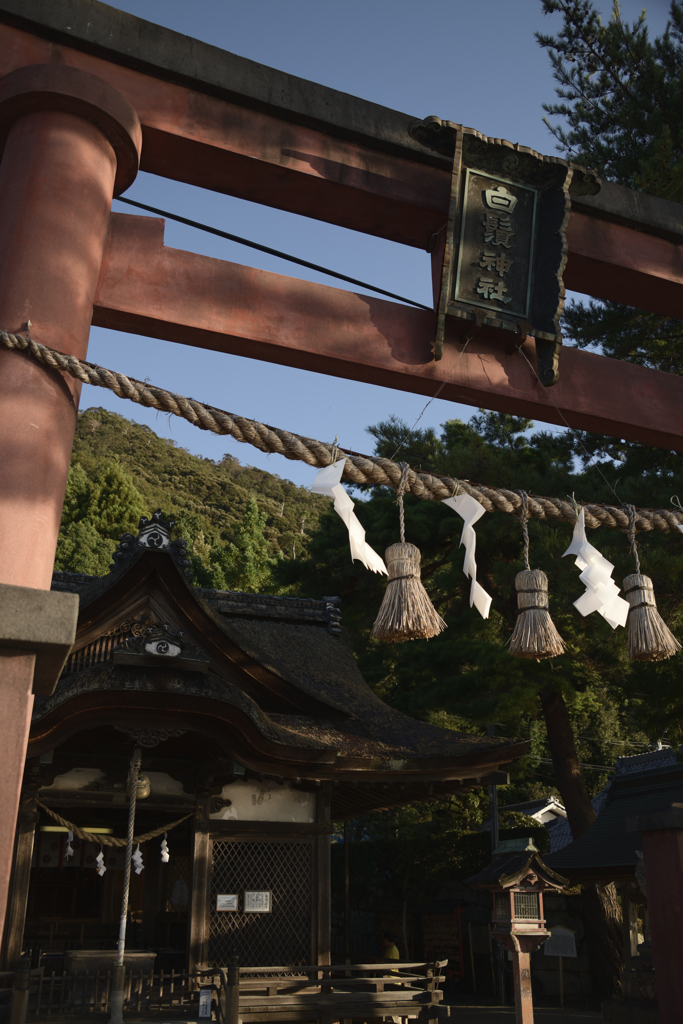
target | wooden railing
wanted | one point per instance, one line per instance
(327, 993)
(87, 992)
(316, 992)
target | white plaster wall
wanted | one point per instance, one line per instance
(165, 785)
(77, 778)
(266, 801)
(161, 783)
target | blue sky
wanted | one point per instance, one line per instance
(471, 61)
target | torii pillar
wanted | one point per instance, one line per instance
(70, 142)
(662, 833)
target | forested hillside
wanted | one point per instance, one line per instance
(240, 521)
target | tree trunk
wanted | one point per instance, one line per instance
(601, 911)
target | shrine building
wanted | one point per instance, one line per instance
(257, 729)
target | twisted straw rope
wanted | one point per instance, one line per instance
(360, 469)
(105, 840)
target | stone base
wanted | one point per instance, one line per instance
(627, 1011)
(638, 986)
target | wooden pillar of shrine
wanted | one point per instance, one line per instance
(322, 892)
(18, 895)
(69, 143)
(198, 918)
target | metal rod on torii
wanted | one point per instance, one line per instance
(118, 983)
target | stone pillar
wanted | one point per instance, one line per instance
(69, 142)
(662, 833)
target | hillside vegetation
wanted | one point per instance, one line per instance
(240, 521)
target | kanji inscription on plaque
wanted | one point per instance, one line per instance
(496, 249)
(504, 246)
(257, 902)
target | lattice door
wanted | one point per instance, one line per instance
(281, 937)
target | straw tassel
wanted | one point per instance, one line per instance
(406, 613)
(534, 635)
(649, 637)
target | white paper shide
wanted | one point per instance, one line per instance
(471, 511)
(328, 482)
(602, 593)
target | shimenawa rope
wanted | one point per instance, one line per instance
(359, 469)
(97, 837)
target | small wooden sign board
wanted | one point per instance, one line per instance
(562, 942)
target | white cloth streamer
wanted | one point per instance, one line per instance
(69, 850)
(328, 481)
(99, 860)
(602, 593)
(165, 855)
(471, 511)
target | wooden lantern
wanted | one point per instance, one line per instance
(517, 878)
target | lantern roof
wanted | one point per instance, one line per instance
(513, 861)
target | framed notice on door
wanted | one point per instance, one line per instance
(258, 902)
(226, 901)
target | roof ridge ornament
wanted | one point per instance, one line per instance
(154, 534)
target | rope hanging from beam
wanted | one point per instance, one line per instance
(358, 469)
(99, 837)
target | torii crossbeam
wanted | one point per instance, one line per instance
(86, 91)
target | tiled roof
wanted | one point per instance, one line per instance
(644, 782)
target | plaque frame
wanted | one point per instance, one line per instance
(552, 180)
(250, 908)
(225, 897)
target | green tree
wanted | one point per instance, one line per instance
(579, 707)
(121, 469)
(96, 512)
(245, 564)
(621, 95)
(400, 856)
(407, 854)
(205, 497)
(620, 111)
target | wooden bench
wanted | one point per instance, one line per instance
(337, 992)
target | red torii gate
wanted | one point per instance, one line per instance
(84, 90)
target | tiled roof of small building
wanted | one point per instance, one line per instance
(642, 783)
